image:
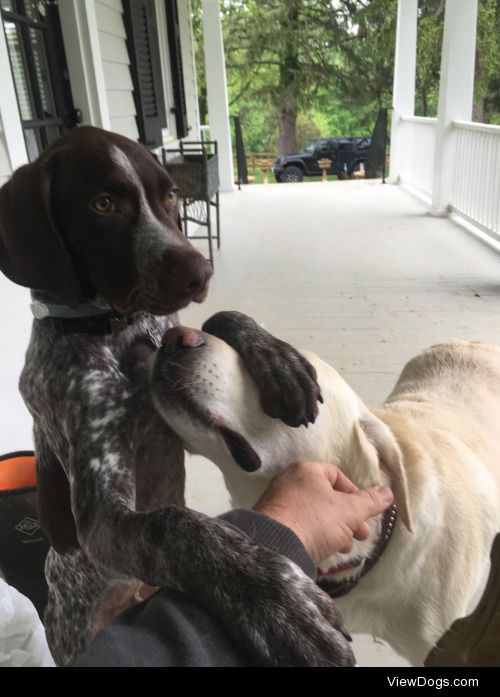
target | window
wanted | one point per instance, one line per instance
(346, 145)
(323, 146)
(38, 65)
(363, 143)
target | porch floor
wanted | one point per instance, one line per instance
(356, 271)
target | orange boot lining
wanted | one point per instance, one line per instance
(17, 471)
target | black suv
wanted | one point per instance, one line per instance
(346, 155)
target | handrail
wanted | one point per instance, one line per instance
(472, 126)
(427, 120)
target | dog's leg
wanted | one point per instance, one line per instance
(54, 505)
(158, 481)
(265, 602)
(76, 589)
(286, 380)
(283, 617)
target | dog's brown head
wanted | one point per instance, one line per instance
(96, 218)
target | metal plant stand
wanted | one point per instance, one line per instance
(194, 167)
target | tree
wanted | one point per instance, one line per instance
(283, 52)
(309, 68)
(286, 57)
(366, 53)
(430, 38)
(487, 82)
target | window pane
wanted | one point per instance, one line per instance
(33, 143)
(19, 70)
(42, 73)
(35, 9)
(7, 5)
(52, 133)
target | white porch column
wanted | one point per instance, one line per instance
(403, 96)
(218, 108)
(456, 92)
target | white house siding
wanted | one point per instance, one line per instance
(116, 66)
(189, 68)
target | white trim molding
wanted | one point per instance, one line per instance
(83, 54)
(218, 106)
(9, 111)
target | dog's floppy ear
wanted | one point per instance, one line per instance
(32, 252)
(373, 445)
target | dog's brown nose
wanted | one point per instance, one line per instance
(185, 275)
(180, 338)
(199, 274)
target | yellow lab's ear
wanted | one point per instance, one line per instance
(363, 459)
(374, 446)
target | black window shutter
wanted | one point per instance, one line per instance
(145, 65)
(174, 43)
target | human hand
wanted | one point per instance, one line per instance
(322, 507)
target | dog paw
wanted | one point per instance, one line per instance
(293, 623)
(283, 617)
(286, 381)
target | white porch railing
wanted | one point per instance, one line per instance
(417, 165)
(475, 186)
(476, 178)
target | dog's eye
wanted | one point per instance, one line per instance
(171, 198)
(103, 204)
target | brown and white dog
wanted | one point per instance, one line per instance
(92, 227)
(435, 441)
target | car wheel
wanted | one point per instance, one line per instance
(292, 175)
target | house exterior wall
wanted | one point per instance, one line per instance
(116, 67)
(99, 67)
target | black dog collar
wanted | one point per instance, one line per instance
(336, 589)
(86, 318)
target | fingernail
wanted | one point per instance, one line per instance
(384, 493)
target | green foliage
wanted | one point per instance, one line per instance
(430, 37)
(487, 79)
(366, 54)
(324, 67)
